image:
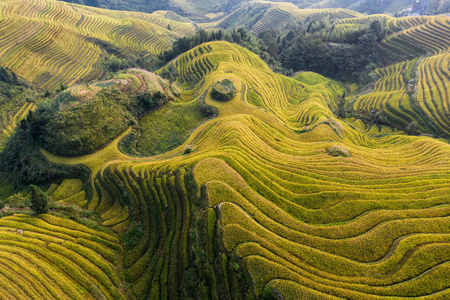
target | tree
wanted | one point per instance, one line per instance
(377, 29)
(272, 49)
(340, 110)
(243, 33)
(62, 87)
(236, 37)
(413, 128)
(290, 36)
(39, 200)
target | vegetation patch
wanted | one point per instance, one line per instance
(255, 99)
(17, 98)
(22, 157)
(82, 119)
(83, 127)
(167, 127)
(336, 150)
(106, 84)
(223, 91)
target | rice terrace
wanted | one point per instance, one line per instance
(177, 149)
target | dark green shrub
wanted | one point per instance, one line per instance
(39, 200)
(188, 150)
(149, 100)
(223, 91)
(337, 151)
(132, 238)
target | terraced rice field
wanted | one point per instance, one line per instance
(69, 191)
(48, 41)
(427, 38)
(374, 225)
(282, 96)
(390, 94)
(333, 13)
(261, 16)
(272, 18)
(404, 23)
(246, 12)
(364, 20)
(48, 257)
(370, 129)
(282, 13)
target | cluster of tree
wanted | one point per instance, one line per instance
(147, 101)
(112, 63)
(184, 44)
(223, 91)
(318, 46)
(12, 88)
(21, 155)
(23, 158)
(10, 77)
(79, 129)
(68, 127)
(39, 200)
(63, 125)
(314, 47)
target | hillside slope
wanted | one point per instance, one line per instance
(15, 102)
(47, 42)
(416, 90)
(49, 257)
(307, 204)
(259, 16)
